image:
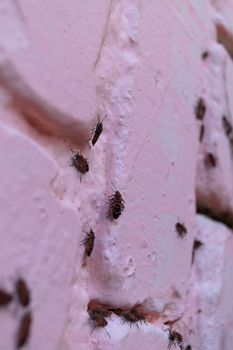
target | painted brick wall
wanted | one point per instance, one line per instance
(144, 65)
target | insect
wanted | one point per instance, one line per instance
(98, 321)
(181, 229)
(188, 347)
(138, 314)
(175, 338)
(202, 132)
(133, 316)
(88, 243)
(24, 330)
(204, 55)
(116, 205)
(226, 125)
(200, 109)
(96, 309)
(80, 163)
(130, 317)
(22, 292)
(5, 298)
(210, 160)
(97, 130)
(197, 244)
(97, 313)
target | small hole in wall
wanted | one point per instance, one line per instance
(225, 38)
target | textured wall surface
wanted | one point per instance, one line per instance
(144, 65)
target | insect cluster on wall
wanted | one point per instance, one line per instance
(116, 203)
(22, 297)
(78, 160)
(98, 312)
(210, 159)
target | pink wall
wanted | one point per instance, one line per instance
(140, 63)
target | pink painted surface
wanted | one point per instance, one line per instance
(140, 64)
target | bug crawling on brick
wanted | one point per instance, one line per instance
(175, 338)
(97, 130)
(133, 316)
(116, 205)
(88, 243)
(181, 229)
(200, 109)
(95, 308)
(24, 330)
(5, 298)
(210, 160)
(97, 313)
(80, 163)
(22, 292)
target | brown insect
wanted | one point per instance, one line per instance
(97, 130)
(210, 160)
(227, 126)
(139, 315)
(96, 309)
(88, 243)
(130, 317)
(200, 109)
(80, 163)
(5, 298)
(116, 205)
(22, 292)
(133, 316)
(204, 55)
(24, 330)
(202, 132)
(197, 244)
(181, 229)
(98, 321)
(97, 313)
(175, 338)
